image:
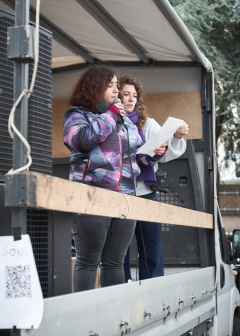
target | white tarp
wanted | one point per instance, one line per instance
(142, 19)
(154, 79)
(83, 28)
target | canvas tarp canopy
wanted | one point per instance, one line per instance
(115, 30)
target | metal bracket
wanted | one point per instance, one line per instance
(168, 310)
(209, 291)
(210, 162)
(21, 44)
(127, 330)
(209, 104)
(15, 190)
(209, 95)
(180, 302)
(19, 188)
(147, 314)
(194, 298)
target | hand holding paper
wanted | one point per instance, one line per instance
(165, 133)
(161, 149)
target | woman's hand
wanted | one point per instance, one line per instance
(120, 106)
(160, 150)
(183, 130)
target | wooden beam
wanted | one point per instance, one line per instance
(53, 193)
(182, 105)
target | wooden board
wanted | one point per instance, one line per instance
(185, 106)
(59, 150)
(53, 193)
(182, 105)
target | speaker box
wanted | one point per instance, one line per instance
(50, 232)
(39, 104)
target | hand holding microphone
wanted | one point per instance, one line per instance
(120, 106)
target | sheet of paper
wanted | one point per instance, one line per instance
(165, 133)
(21, 299)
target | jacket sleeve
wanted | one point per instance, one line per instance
(83, 136)
(176, 147)
(144, 160)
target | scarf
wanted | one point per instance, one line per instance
(102, 108)
(148, 174)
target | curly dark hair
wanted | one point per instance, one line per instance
(141, 109)
(91, 85)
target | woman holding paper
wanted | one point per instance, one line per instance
(148, 234)
(102, 156)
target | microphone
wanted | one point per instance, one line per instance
(116, 101)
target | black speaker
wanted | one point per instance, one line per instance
(40, 102)
(50, 232)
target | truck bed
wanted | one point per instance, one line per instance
(171, 305)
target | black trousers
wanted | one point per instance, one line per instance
(100, 239)
(149, 243)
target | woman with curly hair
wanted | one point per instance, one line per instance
(100, 157)
(148, 234)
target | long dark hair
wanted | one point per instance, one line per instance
(141, 109)
(91, 85)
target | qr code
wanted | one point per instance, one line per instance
(18, 281)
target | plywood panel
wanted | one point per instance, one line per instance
(182, 105)
(185, 106)
(53, 193)
(59, 150)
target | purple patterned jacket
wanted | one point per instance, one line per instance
(100, 152)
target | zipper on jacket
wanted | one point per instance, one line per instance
(133, 179)
(120, 143)
(87, 167)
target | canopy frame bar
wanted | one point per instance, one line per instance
(102, 16)
(58, 34)
(175, 27)
(152, 63)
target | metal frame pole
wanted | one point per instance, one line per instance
(19, 215)
(20, 50)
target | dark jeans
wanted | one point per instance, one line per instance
(100, 239)
(149, 243)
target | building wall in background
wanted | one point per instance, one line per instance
(229, 200)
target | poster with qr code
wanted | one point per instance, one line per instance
(20, 291)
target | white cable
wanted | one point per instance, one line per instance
(11, 127)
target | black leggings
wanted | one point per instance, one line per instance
(100, 239)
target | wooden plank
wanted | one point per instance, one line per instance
(53, 193)
(59, 62)
(182, 105)
(59, 108)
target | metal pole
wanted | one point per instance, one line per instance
(20, 50)
(19, 217)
